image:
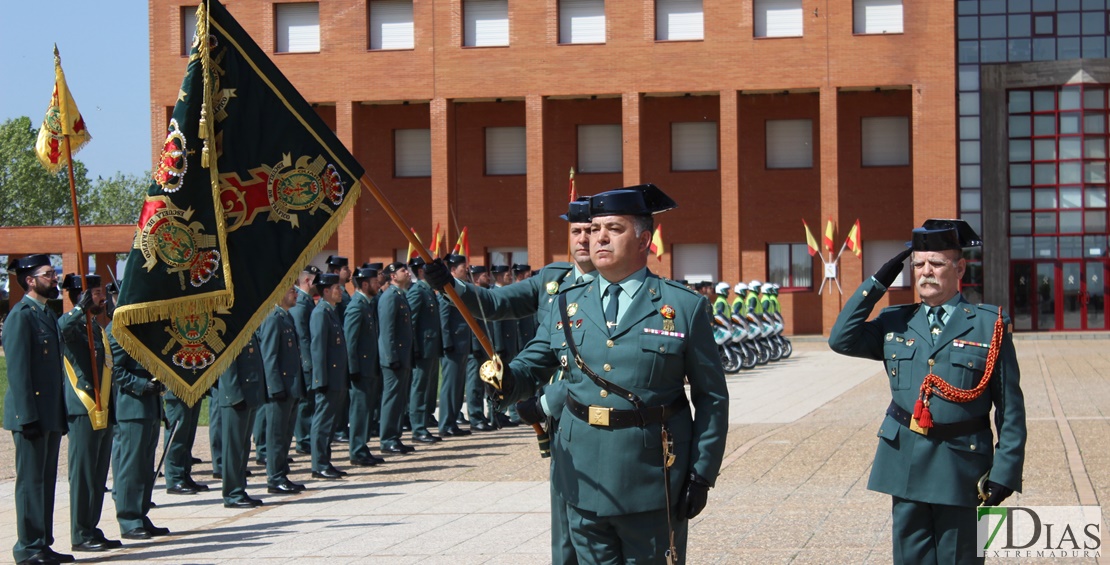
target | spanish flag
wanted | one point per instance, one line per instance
(811, 243)
(436, 238)
(853, 242)
(462, 246)
(656, 245)
(828, 239)
(62, 121)
(413, 253)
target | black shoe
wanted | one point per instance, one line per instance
(156, 531)
(433, 422)
(337, 471)
(288, 459)
(153, 505)
(91, 545)
(40, 558)
(425, 438)
(195, 460)
(455, 432)
(111, 543)
(59, 557)
(482, 427)
(326, 474)
(397, 448)
(341, 438)
(298, 486)
(137, 533)
(181, 488)
(195, 485)
(286, 487)
(364, 461)
(247, 503)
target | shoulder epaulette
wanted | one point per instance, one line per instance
(677, 285)
(901, 307)
(990, 308)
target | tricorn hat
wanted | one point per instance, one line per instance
(72, 281)
(499, 269)
(326, 279)
(940, 235)
(478, 269)
(640, 200)
(366, 273)
(578, 210)
(520, 268)
(394, 267)
(336, 261)
(29, 262)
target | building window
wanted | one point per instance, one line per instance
(778, 18)
(391, 25)
(599, 149)
(694, 146)
(877, 253)
(506, 151)
(789, 265)
(298, 28)
(581, 21)
(695, 262)
(486, 23)
(679, 20)
(188, 28)
(789, 144)
(508, 256)
(886, 142)
(412, 150)
(877, 16)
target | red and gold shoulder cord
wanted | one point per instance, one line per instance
(948, 392)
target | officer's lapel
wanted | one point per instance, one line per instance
(642, 306)
(919, 323)
(959, 323)
(587, 305)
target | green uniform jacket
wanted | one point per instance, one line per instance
(360, 328)
(394, 328)
(245, 378)
(33, 346)
(426, 330)
(281, 354)
(453, 327)
(916, 467)
(75, 341)
(329, 348)
(130, 377)
(302, 313)
(341, 308)
(619, 471)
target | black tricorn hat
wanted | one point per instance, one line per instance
(29, 262)
(639, 200)
(454, 258)
(394, 267)
(73, 282)
(416, 262)
(499, 269)
(336, 261)
(478, 269)
(519, 268)
(366, 273)
(376, 265)
(578, 211)
(312, 269)
(326, 279)
(940, 235)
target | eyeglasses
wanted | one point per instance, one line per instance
(51, 274)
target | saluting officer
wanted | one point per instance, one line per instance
(360, 328)
(242, 392)
(90, 432)
(34, 406)
(638, 339)
(456, 335)
(281, 359)
(427, 348)
(395, 355)
(329, 373)
(302, 313)
(948, 362)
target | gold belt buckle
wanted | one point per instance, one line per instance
(916, 428)
(599, 416)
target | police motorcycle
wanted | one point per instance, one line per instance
(784, 343)
(722, 334)
(762, 330)
(742, 342)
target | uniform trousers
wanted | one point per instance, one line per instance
(179, 451)
(475, 390)
(323, 424)
(236, 424)
(925, 534)
(425, 375)
(637, 538)
(452, 379)
(302, 428)
(36, 471)
(215, 436)
(365, 393)
(133, 481)
(394, 383)
(90, 456)
(259, 434)
(279, 431)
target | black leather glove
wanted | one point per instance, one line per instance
(888, 272)
(31, 431)
(153, 387)
(694, 495)
(437, 275)
(395, 365)
(530, 410)
(448, 349)
(354, 377)
(85, 300)
(280, 396)
(996, 493)
(322, 389)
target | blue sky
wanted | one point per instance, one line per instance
(105, 54)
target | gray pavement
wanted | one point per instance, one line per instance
(792, 488)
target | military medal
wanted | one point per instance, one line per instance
(572, 309)
(558, 325)
(578, 323)
(909, 342)
(668, 317)
(552, 287)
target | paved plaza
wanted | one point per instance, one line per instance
(792, 488)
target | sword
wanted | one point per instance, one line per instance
(169, 442)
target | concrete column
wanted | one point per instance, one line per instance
(444, 192)
(831, 302)
(729, 140)
(536, 206)
(995, 201)
(630, 132)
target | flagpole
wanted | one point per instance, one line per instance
(84, 285)
(427, 257)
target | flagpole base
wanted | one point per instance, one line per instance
(99, 419)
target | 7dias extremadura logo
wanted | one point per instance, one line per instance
(1039, 531)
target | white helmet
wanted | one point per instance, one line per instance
(740, 287)
(754, 285)
(722, 288)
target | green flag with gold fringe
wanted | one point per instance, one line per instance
(250, 185)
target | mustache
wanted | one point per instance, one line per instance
(927, 280)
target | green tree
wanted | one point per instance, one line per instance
(29, 195)
(115, 200)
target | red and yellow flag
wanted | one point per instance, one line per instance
(828, 239)
(853, 242)
(811, 243)
(656, 245)
(462, 246)
(62, 121)
(413, 253)
(573, 192)
(437, 237)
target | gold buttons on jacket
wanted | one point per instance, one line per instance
(604, 393)
(973, 447)
(607, 367)
(609, 343)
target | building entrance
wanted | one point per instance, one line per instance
(1058, 295)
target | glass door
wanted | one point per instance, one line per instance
(1095, 295)
(1046, 296)
(1023, 312)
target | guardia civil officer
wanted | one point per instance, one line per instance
(427, 348)
(34, 407)
(360, 328)
(475, 391)
(948, 362)
(456, 335)
(395, 355)
(281, 360)
(329, 373)
(179, 445)
(302, 313)
(242, 392)
(340, 266)
(90, 430)
(506, 343)
(639, 339)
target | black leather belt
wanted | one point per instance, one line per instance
(939, 431)
(605, 417)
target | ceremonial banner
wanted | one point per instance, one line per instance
(62, 119)
(811, 243)
(250, 186)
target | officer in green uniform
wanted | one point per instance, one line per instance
(179, 445)
(242, 392)
(475, 391)
(90, 433)
(281, 360)
(395, 355)
(506, 343)
(34, 406)
(427, 347)
(340, 266)
(302, 313)
(639, 339)
(360, 329)
(376, 403)
(329, 373)
(948, 363)
(456, 335)
(138, 416)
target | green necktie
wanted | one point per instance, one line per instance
(614, 291)
(937, 312)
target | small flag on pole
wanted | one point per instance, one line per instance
(828, 239)
(462, 246)
(412, 253)
(436, 236)
(811, 244)
(853, 242)
(62, 120)
(656, 245)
